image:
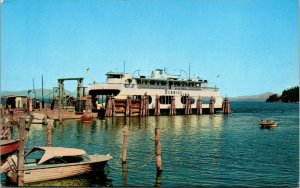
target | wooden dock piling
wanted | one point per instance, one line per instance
(113, 106)
(212, 105)
(49, 132)
(110, 106)
(158, 151)
(146, 105)
(226, 106)
(20, 165)
(88, 105)
(124, 148)
(7, 129)
(172, 107)
(157, 106)
(190, 106)
(128, 107)
(199, 105)
(23, 129)
(59, 112)
(188, 109)
(142, 108)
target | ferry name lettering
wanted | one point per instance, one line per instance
(173, 92)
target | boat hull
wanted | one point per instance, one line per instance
(8, 147)
(57, 172)
(86, 118)
(267, 126)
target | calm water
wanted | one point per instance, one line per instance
(206, 150)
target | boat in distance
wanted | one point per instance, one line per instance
(50, 163)
(267, 124)
(159, 83)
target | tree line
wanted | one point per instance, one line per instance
(288, 95)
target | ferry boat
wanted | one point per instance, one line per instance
(159, 83)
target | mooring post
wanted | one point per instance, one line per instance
(124, 149)
(127, 107)
(113, 106)
(199, 105)
(146, 105)
(20, 165)
(11, 112)
(7, 129)
(190, 106)
(107, 106)
(212, 105)
(157, 106)
(49, 132)
(158, 151)
(226, 106)
(59, 112)
(130, 106)
(142, 106)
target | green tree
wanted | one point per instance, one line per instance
(288, 95)
(273, 98)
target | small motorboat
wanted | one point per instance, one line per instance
(51, 163)
(38, 118)
(85, 118)
(267, 124)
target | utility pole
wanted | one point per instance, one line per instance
(42, 92)
(34, 103)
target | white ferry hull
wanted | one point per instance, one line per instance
(122, 85)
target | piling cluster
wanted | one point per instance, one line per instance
(172, 107)
(157, 106)
(140, 107)
(144, 107)
(226, 106)
(188, 108)
(199, 105)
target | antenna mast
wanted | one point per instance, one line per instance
(42, 92)
(34, 94)
(189, 71)
(124, 66)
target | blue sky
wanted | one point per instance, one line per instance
(252, 44)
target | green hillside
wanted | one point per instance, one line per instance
(288, 95)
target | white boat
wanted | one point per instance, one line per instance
(50, 163)
(267, 124)
(38, 118)
(121, 85)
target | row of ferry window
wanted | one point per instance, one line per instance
(164, 99)
(174, 83)
(168, 99)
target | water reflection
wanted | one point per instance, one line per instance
(205, 150)
(158, 179)
(98, 178)
(124, 175)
